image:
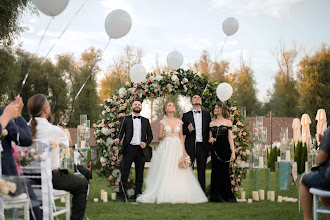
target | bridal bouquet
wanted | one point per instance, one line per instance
(184, 162)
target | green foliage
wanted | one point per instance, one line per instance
(314, 83)
(11, 11)
(272, 158)
(300, 156)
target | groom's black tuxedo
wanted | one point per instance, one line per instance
(133, 152)
(127, 129)
(196, 150)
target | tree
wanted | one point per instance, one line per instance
(284, 98)
(118, 73)
(11, 11)
(314, 82)
(245, 92)
(88, 102)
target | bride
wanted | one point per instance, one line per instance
(165, 181)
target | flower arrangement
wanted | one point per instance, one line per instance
(25, 157)
(184, 162)
(3, 134)
(54, 144)
(180, 82)
(6, 187)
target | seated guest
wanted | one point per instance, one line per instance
(77, 154)
(41, 128)
(18, 132)
(318, 178)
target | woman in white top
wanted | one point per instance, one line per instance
(42, 129)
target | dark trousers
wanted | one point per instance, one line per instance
(77, 186)
(200, 154)
(84, 171)
(132, 153)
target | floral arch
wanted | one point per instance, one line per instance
(180, 82)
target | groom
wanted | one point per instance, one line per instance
(196, 128)
(138, 136)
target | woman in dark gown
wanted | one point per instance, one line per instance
(222, 152)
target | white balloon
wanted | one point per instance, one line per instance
(174, 59)
(224, 91)
(118, 23)
(51, 7)
(138, 73)
(230, 26)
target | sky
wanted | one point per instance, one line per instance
(189, 26)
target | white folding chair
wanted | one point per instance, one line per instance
(45, 191)
(316, 194)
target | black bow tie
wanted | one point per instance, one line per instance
(197, 112)
(139, 117)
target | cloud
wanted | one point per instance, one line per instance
(273, 8)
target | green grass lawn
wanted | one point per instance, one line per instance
(256, 210)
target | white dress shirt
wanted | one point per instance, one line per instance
(48, 132)
(76, 157)
(198, 125)
(136, 139)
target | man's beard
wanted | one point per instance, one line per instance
(136, 110)
(50, 118)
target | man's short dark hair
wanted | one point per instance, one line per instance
(137, 100)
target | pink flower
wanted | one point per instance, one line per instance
(122, 100)
(235, 112)
(114, 158)
(131, 98)
(233, 182)
(118, 122)
(236, 189)
(107, 109)
(103, 164)
(117, 162)
(94, 125)
(233, 108)
(244, 153)
(144, 92)
(101, 140)
(128, 180)
(240, 172)
(114, 148)
(112, 130)
(113, 109)
(114, 97)
(110, 177)
(112, 163)
(110, 125)
(152, 95)
(116, 151)
(112, 167)
(244, 133)
(116, 183)
(134, 85)
(168, 86)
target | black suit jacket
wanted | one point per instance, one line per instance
(188, 118)
(126, 128)
(25, 140)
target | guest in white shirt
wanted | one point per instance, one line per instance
(41, 128)
(77, 155)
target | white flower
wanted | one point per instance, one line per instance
(234, 128)
(159, 77)
(130, 192)
(103, 112)
(11, 187)
(110, 141)
(116, 173)
(4, 133)
(106, 131)
(33, 150)
(154, 85)
(185, 80)
(122, 92)
(103, 160)
(174, 78)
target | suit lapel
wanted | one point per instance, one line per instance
(192, 118)
(142, 128)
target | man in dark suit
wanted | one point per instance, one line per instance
(196, 129)
(138, 136)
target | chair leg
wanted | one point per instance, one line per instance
(316, 206)
(26, 211)
(67, 206)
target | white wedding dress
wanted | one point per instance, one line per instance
(165, 181)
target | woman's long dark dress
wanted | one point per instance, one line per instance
(221, 153)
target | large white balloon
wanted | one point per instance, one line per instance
(224, 91)
(51, 7)
(174, 59)
(230, 26)
(138, 73)
(118, 23)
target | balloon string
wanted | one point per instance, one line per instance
(223, 46)
(91, 72)
(65, 29)
(28, 72)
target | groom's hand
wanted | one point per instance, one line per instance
(191, 127)
(142, 144)
(116, 141)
